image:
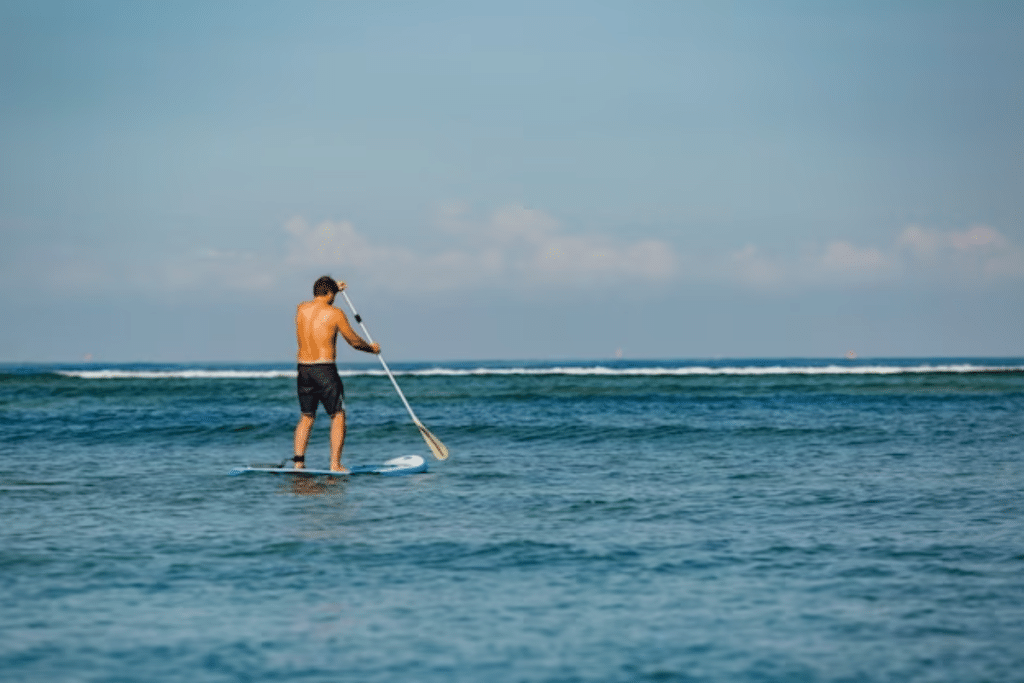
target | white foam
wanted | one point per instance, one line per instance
(749, 370)
(567, 370)
(177, 374)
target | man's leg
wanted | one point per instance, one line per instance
(337, 440)
(302, 431)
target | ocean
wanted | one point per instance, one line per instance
(671, 521)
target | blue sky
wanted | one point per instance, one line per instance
(513, 180)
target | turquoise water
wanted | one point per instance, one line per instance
(665, 521)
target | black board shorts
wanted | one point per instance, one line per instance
(320, 383)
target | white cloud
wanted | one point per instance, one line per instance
(751, 268)
(231, 270)
(518, 225)
(338, 248)
(978, 236)
(978, 254)
(840, 263)
(515, 246)
(929, 244)
(338, 244)
(846, 258)
(512, 248)
(923, 244)
(845, 262)
(89, 270)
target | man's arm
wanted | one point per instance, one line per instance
(353, 339)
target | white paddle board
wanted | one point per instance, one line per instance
(406, 464)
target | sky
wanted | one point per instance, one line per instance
(528, 180)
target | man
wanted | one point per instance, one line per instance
(317, 324)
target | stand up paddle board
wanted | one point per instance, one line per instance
(406, 464)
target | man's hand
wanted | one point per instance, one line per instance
(375, 348)
(341, 285)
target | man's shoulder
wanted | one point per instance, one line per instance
(314, 303)
(320, 310)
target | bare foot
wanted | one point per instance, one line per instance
(341, 470)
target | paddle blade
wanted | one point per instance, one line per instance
(439, 450)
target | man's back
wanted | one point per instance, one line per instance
(316, 327)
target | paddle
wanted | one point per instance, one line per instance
(439, 450)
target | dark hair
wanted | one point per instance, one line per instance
(324, 286)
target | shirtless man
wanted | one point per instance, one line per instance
(317, 324)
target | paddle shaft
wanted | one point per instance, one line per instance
(380, 357)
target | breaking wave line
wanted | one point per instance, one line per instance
(565, 370)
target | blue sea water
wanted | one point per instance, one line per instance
(763, 520)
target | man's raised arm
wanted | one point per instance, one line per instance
(353, 339)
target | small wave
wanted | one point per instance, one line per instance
(177, 374)
(712, 371)
(565, 370)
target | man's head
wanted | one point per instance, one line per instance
(325, 286)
